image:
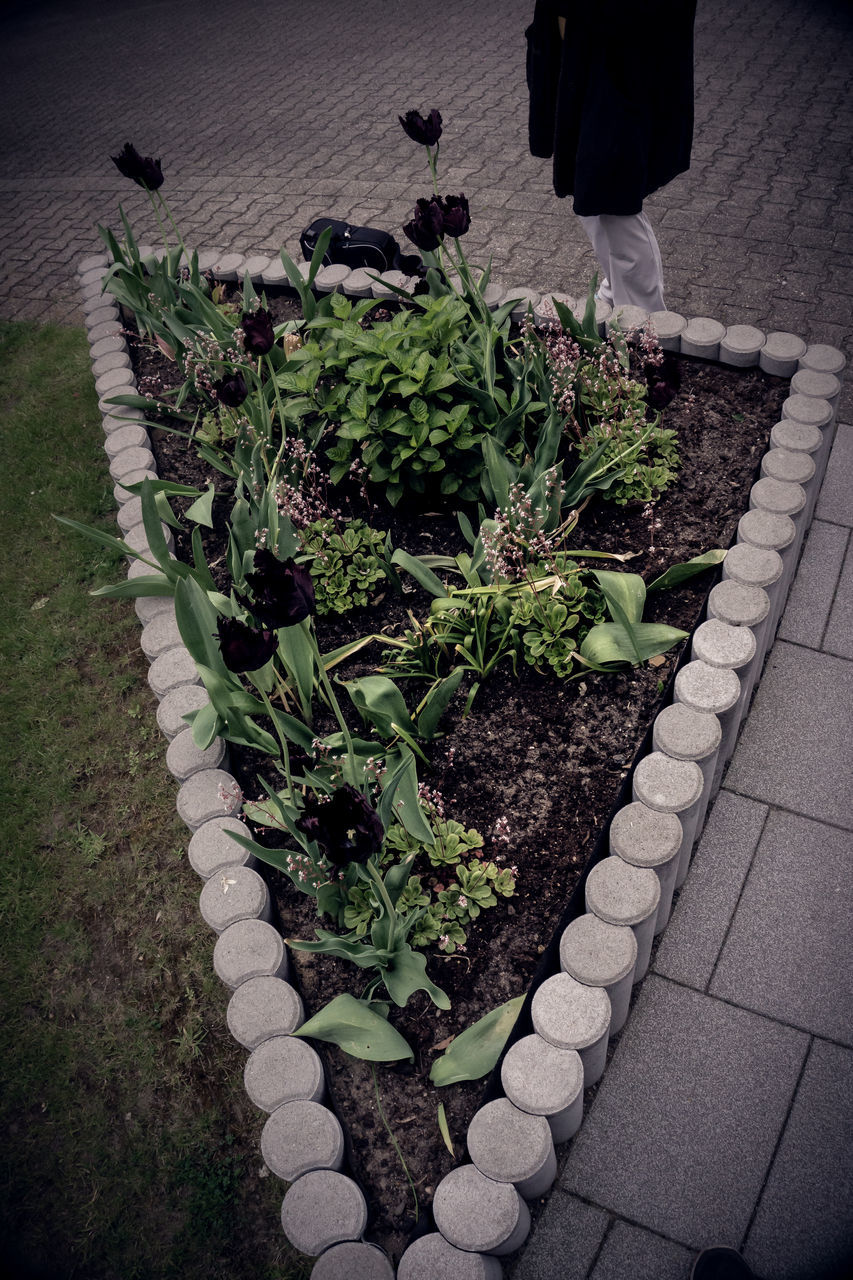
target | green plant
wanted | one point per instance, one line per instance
(347, 564)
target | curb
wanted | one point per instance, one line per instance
(479, 1207)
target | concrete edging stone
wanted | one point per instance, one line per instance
(324, 1211)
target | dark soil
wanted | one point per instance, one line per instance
(547, 755)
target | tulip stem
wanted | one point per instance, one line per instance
(159, 220)
(285, 752)
(333, 702)
(180, 238)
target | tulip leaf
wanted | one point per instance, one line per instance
(610, 642)
(444, 1130)
(437, 702)
(679, 573)
(206, 723)
(197, 619)
(475, 1051)
(201, 510)
(625, 592)
(358, 1029)
(406, 974)
(420, 572)
(379, 702)
(148, 584)
(404, 802)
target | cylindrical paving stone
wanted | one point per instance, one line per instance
(331, 278)
(824, 359)
(137, 540)
(249, 949)
(275, 273)
(321, 1209)
(121, 494)
(782, 499)
(353, 1260)
(702, 337)
(781, 353)
(716, 690)
(109, 361)
(813, 412)
(381, 287)
(211, 848)
(511, 1145)
(282, 1069)
(255, 266)
(799, 437)
(210, 794)
(109, 345)
(173, 668)
(526, 299)
(741, 345)
(571, 1015)
(207, 257)
(184, 758)
(130, 460)
(129, 514)
(669, 326)
(645, 838)
(108, 313)
(492, 295)
(160, 634)
(628, 896)
(545, 313)
(822, 386)
(234, 893)
(149, 607)
(545, 1081)
(601, 955)
(301, 1136)
(674, 786)
(263, 1007)
(91, 261)
(359, 283)
(721, 644)
(687, 734)
(789, 465)
(742, 606)
(628, 319)
(431, 1257)
(229, 266)
(178, 703)
(131, 435)
(105, 329)
(115, 382)
(771, 532)
(480, 1215)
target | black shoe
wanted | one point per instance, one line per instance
(720, 1263)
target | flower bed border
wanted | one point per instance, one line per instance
(484, 1218)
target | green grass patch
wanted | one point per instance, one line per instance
(128, 1146)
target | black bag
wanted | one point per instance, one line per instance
(351, 246)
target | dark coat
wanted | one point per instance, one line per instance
(613, 102)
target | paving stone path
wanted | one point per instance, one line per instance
(727, 1112)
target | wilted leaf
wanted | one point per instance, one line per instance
(475, 1051)
(357, 1029)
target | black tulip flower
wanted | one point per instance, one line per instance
(282, 590)
(426, 226)
(345, 825)
(244, 648)
(258, 333)
(456, 218)
(143, 170)
(425, 131)
(231, 390)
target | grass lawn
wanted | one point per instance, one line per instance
(128, 1146)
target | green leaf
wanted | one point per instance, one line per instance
(444, 1130)
(201, 510)
(380, 703)
(473, 1053)
(679, 573)
(407, 806)
(610, 642)
(357, 1029)
(406, 974)
(622, 591)
(437, 701)
(419, 572)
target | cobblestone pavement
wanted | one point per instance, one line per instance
(268, 114)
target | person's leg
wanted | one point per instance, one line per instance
(627, 251)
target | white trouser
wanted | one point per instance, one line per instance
(629, 257)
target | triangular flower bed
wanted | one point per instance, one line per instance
(538, 775)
